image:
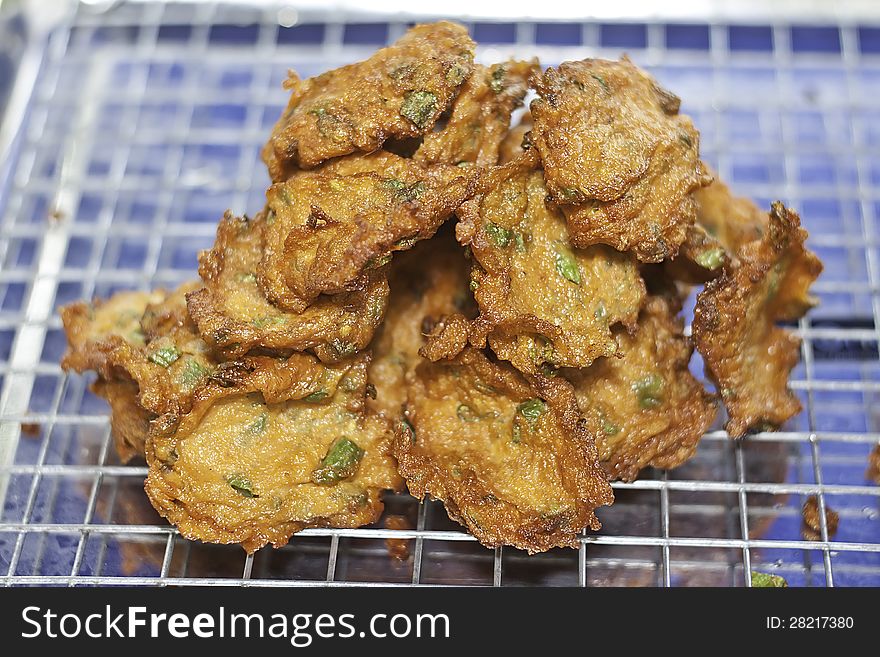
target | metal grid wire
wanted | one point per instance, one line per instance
(145, 124)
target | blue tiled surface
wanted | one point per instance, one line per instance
(808, 133)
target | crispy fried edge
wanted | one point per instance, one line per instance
(718, 326)
(522, 530)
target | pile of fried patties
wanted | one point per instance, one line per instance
(432, 298)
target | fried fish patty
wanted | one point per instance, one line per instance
(646, 407)
(332, 226)
(746, 355)
(234, 317)
(165, 366)
(428, 283)
(400, 91)
(618, 157)
(511, 467)
(269, 449)
(148, 356)
(542, 302)
(480, 116)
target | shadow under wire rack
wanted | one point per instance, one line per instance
(143, 123)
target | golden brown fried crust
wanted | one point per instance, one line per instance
(235, 318)
(542, 302)
(733, 221)
(166, 366)
(645, 408)
(248, 464)
(811, 529)
(427, 284)
(398, 92)
(873, 471)
(515, 470)
(747, 356)
(480, 116)
(334, 225)
(618, 157)
(516, 140)
(129, 422)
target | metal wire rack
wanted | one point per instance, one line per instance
(144, 124)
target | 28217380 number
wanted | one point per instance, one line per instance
(820, 622)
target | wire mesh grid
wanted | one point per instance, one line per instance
(145, 124)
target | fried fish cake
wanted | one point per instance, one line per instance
(334, 225)
(166, 366)
(144, 369)
(733, 221)
(542, 302)
(746, 355)
(234, 317)
(480, 116)
(618, 157)
(88, 326)
(646, 407)
(428, 283)
(398, 92)
(258, 460)
(509, 466)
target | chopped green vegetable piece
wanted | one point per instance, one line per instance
(316, 396)
(258, 425)
(405, 192)
(164, 356)
(193, 372)
(242, 485)
(379, 261)
(455, 75)
(419, 107)
(608, 427)
(406, 242)
(466, 413)
(249, 277)
(262, 322)
(686, 140)
(473, 285)
(497, 82)
(408, 429)
(711, 259)
(498, 234)
(768, 581)
(567, 267)
(516, 436)
(532, 409)
(340, 463)
(601, 312)
(649, 391)
(601, 81)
